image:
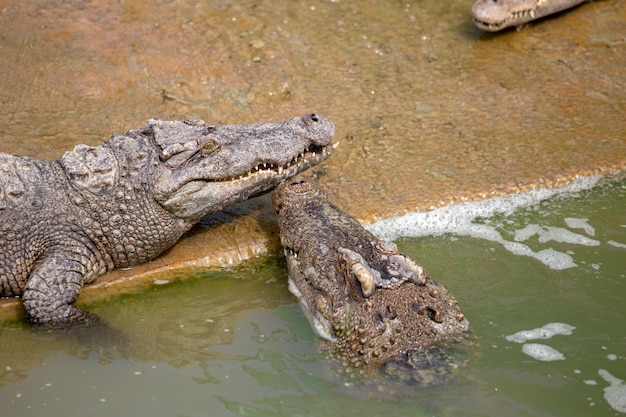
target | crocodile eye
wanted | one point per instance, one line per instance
(209, 147)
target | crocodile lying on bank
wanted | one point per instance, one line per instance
(495, 15)
(63, 223)
(377, 308)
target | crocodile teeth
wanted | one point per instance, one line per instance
(268, 169)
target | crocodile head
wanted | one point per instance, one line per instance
(374, 305)
(203, 167)
(495, 15)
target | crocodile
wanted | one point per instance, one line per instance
(373, 307)
(64, 223)
(495, 15)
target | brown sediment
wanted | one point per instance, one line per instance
(428, 109)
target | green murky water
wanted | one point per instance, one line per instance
(236, 343)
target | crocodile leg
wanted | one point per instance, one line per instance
(50, 292)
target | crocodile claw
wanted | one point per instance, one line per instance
(398, 265)
(407, 269)
(368, 278)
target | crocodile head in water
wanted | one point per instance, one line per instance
(495, 15)
(207, 167)
(376, 307)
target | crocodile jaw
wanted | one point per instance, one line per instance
(495, 15)
(199, 197)
(204, 168)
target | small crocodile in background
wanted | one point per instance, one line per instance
(495, 15)
(63, 223)
(376, 308)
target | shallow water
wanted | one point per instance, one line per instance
(236, 343)
(418, 94)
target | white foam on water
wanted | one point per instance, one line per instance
(615, 393)
(542, 352)
(574, 223)
(545, 332)
(616, 244)
(459, 219)
(557, 234)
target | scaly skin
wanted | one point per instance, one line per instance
(376, 307)
(63, 223)
(495, 15)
